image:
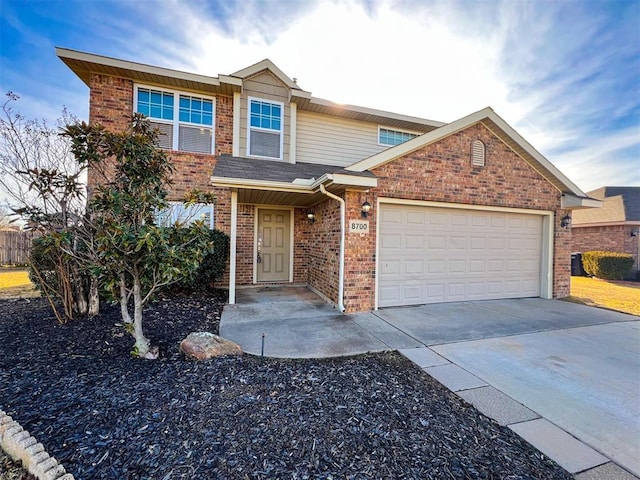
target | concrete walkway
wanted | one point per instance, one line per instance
(565, 377)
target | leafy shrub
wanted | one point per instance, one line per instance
(212, 266)
(607, 265)
(44, 258)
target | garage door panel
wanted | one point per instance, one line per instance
(414, 242)
(436, 266)
(441, 255)
(415, 218)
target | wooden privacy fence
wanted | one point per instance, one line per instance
(15, 246)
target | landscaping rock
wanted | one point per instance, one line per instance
(204, 345)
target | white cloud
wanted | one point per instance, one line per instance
(556, 71)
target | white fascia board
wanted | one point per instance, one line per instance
(140, 67)
(260, 185)
(418, 142)
(574, 202)
(356, 181)
(535, 154)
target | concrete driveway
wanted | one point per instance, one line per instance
(565, 377)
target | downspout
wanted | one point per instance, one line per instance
(341, 266)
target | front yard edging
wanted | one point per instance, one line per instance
(20, 445)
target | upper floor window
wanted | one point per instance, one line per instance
(387, 136)
(184, 215)
(185, 121)
(264, 133)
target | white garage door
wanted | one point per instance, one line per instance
(431, 255)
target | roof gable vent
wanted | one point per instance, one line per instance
(477, 153)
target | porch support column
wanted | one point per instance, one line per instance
(232, 247)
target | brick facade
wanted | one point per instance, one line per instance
(440, 172)
(610, 238)
(324, 249)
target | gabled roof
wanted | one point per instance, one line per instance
(619, 205)
(266, 64)
(498, 127)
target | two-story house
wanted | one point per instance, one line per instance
(367, 208)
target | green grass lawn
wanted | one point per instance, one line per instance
(15, 283)
(614, 295)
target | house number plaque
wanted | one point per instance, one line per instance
(359, 226)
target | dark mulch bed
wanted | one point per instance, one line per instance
(105, 415)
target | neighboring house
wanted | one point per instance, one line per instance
(467, 210)
(615, 227)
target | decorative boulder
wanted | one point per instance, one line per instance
(203, 345)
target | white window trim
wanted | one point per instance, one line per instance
(175, 123)
(182, 204)
(394, 129)
(249, 128)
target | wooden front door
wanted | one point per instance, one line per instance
(274, 245)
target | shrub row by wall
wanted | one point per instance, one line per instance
(607, 265)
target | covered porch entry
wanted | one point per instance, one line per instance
(287, 223)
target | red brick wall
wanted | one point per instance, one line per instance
(111, 104)
(244, 245)
(359, 284)
(442, 172)
(611, 238)
(324, 249)
(301, 234)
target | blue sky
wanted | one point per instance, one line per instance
(565, 74)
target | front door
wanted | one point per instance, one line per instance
(274, 245)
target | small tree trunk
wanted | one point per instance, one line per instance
(79, 294)
(94, 297)
(124, 301)
(142, 343)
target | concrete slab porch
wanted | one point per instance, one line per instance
(297, 323)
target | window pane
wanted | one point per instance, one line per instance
(168, 99)
(266, 109)
(255, 121)
(275, 111)
(184, 115)
(207, 106)
(265, 123)
(255, 107)
(184, 102)
(196, 117)
(207, 119)
(156, 111)
(143, 109)
(156, 98)
(143, 95)
(275, 124)
(196, 104)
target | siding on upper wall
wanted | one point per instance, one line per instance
(265, 86)
(331, 140)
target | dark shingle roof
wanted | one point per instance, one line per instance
(274, 171)
(619, 204)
